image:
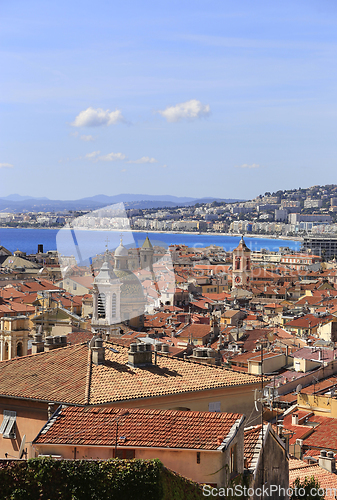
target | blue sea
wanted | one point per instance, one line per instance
(84, 244)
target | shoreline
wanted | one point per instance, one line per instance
(209, 233)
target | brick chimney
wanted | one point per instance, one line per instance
(139, 355)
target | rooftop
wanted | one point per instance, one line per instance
(67, 375)
(139, 427)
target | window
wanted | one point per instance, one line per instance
(124, 454)
(216, 406)
(74, 286)
(7, 428)
(113, 305)
(101, 302)
(198, 457)
(19, 349)
(237, 263)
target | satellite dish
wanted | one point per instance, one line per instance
(298, 389)
(22, 445)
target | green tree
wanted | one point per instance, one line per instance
(308, 489)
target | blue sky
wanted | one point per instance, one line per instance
(189, 98)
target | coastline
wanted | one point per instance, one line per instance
(195, 233)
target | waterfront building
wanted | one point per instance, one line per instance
(324, 246)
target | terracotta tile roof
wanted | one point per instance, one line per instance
(251, 438)
(140, 427)
(308, 321)
(251, 336)
(61, 375)
(195, 331)
(14, 307)
(300, 469)
(36, 285)
(324, 435)
(79, 337)
(312, 453)
(308, 300)
(117, 381)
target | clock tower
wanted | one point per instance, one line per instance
(241, 265)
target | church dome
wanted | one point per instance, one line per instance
(121, 251)
(131, 286)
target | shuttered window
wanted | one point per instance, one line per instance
(7, 428)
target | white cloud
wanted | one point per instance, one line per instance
(6, 165)
(144, 159)
(92, 155)
(87, 138)
(189, 110)
(96, 117)
(245, 165)
(112, 157)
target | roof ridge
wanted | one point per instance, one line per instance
(88, 378)
(18, 358)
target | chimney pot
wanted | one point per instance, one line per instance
(133, 347)
(139, 355)
(98, 352)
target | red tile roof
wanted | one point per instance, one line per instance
(324, 435)
(59, 375)
(195, 331)
(63, 375)
(300, 469)
(140, 427)
(251, 438)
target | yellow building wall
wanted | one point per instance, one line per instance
(181, 461)
(269, 365)
(231, 399)
(324, 406)
(305, 365)
(30, 418)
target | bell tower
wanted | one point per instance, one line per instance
(146, 255)
(241, 265)
(13, 336)
(106, 299)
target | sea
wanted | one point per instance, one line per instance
(84, 244)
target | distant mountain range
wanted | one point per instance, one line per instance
(17, 203)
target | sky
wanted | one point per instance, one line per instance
(187, 98)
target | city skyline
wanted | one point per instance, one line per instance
(182, 99)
